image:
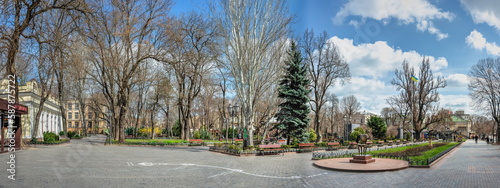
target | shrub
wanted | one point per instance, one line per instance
(235, 147)
(196, 135)
(61, 133)
(50, 137)
(354, 135)
(71, 134)
(176, 129)
(322, 144)
(312, 135)
(147, 131)
(130, 131)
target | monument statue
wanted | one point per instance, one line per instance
(362, 144)
(362, 157)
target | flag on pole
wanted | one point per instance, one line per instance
(414, 78)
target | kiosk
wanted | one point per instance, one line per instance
(5, 141)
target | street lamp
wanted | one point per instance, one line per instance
(109, 127)
(347, 127)
(233, 111)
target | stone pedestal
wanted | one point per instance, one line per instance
(363, 159)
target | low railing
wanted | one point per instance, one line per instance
(433, 158)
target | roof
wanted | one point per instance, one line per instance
(457, 118)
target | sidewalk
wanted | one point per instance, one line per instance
(471, 165)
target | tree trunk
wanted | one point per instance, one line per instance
(319, 137)
(34, 132)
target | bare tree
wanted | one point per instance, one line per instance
(191, 55)
(485, 88)
(333, 114)
(17, 18)
(326, 67)
(481, 125)
(443, 121)
(418, 94)
(350, 105)
(253, 37)
(122, 35)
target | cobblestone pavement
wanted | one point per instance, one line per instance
(88, 163)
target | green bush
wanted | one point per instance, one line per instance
(196, 135)
(50, 137)
(72, 134)
(176, 129)
(312, 135)
(322, 144)
(130, 131)
(204, 133)
(354, 135)
(235, 147)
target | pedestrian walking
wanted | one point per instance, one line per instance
(475, 138)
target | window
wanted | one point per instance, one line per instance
(70, 106)
(70, 115)
(77, 107)
(76, 124)
(77, 115)
(90, 124)
(90, 116)
(70, 124)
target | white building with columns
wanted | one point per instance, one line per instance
(50, 120)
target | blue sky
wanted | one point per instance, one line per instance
(376, 36)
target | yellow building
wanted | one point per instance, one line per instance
(94, 121)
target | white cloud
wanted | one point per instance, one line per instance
(371, 93)
(484, 11)
(457, 102)
(419, 12)
(457, 81)
(477, 41)
(377, 59)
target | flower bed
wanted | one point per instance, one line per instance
(418, 155)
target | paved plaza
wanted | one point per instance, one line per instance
(88, 163)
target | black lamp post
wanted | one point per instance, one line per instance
(347, 126)
(233, 111)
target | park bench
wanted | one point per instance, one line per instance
(281, 141)
(195, 142)
(380, 143)
(307, 147)
(270, 149)
(333, 145)
(353, 145)
(369, 144)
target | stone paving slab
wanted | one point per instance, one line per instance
(86, 163)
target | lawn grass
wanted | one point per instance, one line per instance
(431, 153)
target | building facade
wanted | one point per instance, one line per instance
(94, 121)
(50, 119)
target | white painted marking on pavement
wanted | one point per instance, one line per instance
(221, 174)
(229, 170)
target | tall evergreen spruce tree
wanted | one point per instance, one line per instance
(293, 89)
